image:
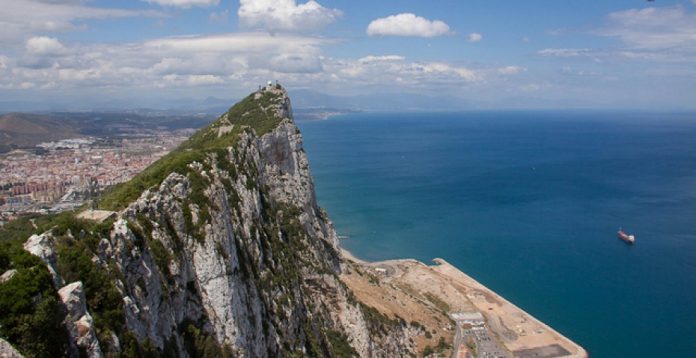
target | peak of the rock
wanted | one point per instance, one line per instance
(262, 110)
(257, 114)
(218, 247)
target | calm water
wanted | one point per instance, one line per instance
(529, 203)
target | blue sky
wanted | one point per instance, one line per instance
(492, 54)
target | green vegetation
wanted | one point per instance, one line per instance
(283, 240)
(200, 344)
(339, 344)
(442, 345)
(377, 322)
(103, 299)
(442, 305)
(161, 256)
(123, 194)
(31, 314)
(257, 114)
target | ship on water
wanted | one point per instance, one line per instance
(629, 239)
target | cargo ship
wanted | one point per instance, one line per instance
(629, 239)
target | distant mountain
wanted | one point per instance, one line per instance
(20, 130)
(23, 130)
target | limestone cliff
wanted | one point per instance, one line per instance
(219, 248)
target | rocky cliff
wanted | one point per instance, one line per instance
(219, 248)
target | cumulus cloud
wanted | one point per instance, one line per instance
(44, 46)
(511, 70)
(185, 4)
(407, 24)
(285, 15)
(474, 37)
(166, 62)
(237, 60)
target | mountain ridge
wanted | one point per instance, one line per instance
(218, 247)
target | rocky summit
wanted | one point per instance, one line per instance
(217, 249)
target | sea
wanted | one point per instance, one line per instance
(529, 204)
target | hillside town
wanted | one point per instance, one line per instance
(63, 175)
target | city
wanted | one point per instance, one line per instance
(63, 175)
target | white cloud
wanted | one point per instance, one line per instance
(407, 24)
(285, 15)
(474, 37)
(3, 62)
(179, 61)
(193, 80)
(242, 43)
(563, 52)
(20, 19)
(185, 4)
(649, 34)
(387, 58)
(295, 63)
(44, 46)
(377, 71)
(234, 62)
(654, 28)
(511, 70)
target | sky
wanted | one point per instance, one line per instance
(82, 54)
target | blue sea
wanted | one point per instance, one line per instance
(529, 204)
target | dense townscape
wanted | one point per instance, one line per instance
(61, 175)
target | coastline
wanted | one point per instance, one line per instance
(444, 285)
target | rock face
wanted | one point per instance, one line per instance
(43, 246)
(7, 275)
(7, 351)
(78, 320)
(233, 247)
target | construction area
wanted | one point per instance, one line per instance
(455, 315)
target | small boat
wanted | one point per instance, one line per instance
(629, 239)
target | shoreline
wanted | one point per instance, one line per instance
(519, 332)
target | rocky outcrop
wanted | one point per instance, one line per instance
(79, 321)
(7, 351)
(43, 246)
(7, 275)
(231, 250)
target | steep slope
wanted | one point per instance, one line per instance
(20, 130)
(219, 248)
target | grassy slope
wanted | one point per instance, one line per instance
(248, 113)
